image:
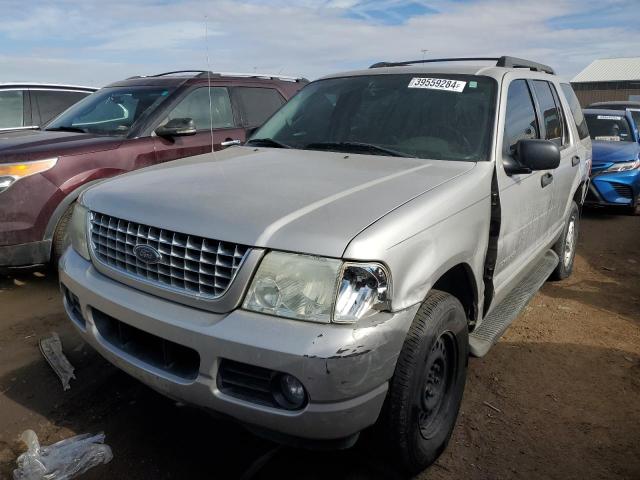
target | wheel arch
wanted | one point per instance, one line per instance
(460, 282)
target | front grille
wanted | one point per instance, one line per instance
(178, 360)
(188, 263)
(623, 190)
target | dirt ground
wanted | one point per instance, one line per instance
(558, 397)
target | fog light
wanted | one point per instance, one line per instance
(292, 391)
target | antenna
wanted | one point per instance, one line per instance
(206, 42)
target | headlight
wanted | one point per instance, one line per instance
(623, 167)
(78, 230)
(12, 172)
(317, 289)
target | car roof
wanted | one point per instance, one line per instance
(54, 86)
(615, 103)
(605, 111)
(175, 79)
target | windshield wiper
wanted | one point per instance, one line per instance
(355, 147)
(267, 142)
(66, 129)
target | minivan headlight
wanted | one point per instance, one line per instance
(317, 289)
(78, 230)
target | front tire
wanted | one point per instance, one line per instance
(566, 245)
(426, 390)
(61, 238)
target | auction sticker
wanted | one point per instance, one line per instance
(437, 84)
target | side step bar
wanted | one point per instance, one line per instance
(495, 324)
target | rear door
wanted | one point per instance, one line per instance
(14, 109)
(256, 104)
(46, 104)
(214, 119)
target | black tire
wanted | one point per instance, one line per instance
(426, 389)
(61, 238)
(562, 246)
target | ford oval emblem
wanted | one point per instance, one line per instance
(147, 254)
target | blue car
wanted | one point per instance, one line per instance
(615, 172)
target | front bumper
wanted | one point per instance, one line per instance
(620, 188)
(345, 370)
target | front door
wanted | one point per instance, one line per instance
(525, 199)
(214, 120)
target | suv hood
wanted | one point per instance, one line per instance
(26, 145)
(301, 201)
(614, 152)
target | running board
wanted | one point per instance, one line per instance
(495, 324)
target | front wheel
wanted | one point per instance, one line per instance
(426, 390)
(566, 245)
(634, 209)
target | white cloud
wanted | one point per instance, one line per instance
(306, 37)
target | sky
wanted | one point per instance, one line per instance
(95, 42)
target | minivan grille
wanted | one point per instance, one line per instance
(188, 263)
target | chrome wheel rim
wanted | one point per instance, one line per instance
(570, 242)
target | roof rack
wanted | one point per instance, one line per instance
(504, 61)
(204, 73)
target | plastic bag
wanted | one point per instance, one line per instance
(62, 460)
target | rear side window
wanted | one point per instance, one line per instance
(551, 115)
(11, 108)
(258, 104)
(520, 119)
(51, 103)
(196, 106)
(576, 110)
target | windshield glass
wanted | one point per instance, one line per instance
(447, 117)
(110, 111)
(610, 128)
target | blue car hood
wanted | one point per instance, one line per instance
(614, 152)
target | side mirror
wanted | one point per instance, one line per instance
(532, 155)
(177, 127)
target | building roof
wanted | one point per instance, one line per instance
(610, 70)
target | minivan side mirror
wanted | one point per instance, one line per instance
(532, 155)
(177, 127)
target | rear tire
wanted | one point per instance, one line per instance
(61, 238)
(566, 245)
(426, 390)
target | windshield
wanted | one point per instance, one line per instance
(110, 111)
(447, 117)
(610, 128)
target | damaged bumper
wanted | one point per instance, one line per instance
(345, 370)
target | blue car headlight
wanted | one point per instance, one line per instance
(624, 166)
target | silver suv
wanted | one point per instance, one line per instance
(337, 270)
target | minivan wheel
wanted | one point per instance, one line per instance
(426, 389)
(566, 245)
(61, 238)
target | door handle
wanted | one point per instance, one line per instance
(546, 179)
(575, 161)
(228, 142)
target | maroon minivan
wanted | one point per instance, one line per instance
(127, 125)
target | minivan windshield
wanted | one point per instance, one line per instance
(110, 111)
(609, 127)
(435, 116)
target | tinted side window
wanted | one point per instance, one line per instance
(258, 104)
(576, 110)
(196, 106)
(551, 116)
(11, 108)
(50, 103)
(520, 118)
